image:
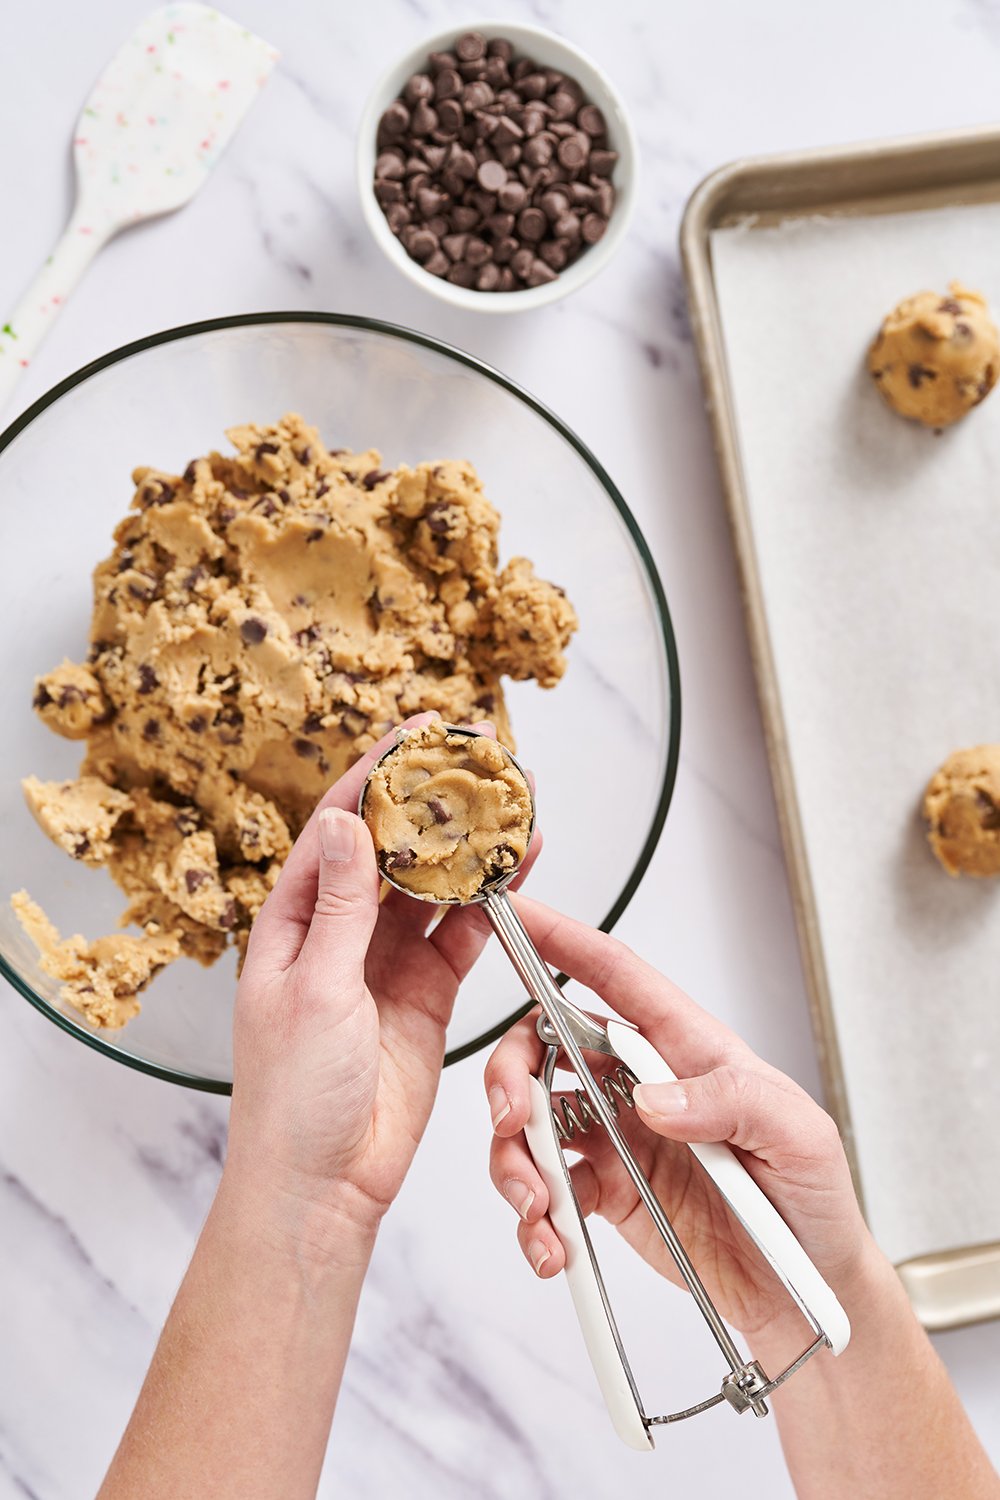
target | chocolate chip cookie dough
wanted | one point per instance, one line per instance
(447, 812)
(962, 812)
(935, 358)
(263, 618)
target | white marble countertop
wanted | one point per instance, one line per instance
(466, 1376)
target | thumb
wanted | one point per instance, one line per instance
(346, 908)
(742, 1106)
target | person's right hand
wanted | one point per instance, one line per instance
(787, 1143)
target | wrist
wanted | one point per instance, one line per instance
(333, 1227)
(871, 1295)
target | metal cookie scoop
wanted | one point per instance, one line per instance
(563, 1027)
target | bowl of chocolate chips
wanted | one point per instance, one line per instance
(497, 167)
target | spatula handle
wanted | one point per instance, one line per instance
(31, 319)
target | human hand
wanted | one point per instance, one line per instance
(787, 1143)
(339, 1031)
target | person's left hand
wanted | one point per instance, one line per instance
(339, 1032)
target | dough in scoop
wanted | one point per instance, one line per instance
(447, 812)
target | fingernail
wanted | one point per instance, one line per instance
(661, 1098)
(337, 835)
(538, 1255)
(499, 1105)
(519, 1196)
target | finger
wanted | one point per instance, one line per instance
(539, 1241)
(757, 1110)
(516, 1057)
(283, 920)
(688, 1037)
(463, 932)
(343, 919)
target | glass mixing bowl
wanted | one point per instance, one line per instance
(64, 482)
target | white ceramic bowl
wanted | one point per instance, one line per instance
(550, 51)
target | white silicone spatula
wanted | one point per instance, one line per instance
(157, 121)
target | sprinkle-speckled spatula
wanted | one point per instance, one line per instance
(155, 124)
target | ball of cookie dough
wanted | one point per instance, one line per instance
(935, 357)
(448, 813)
(962, 812)
(70, 700)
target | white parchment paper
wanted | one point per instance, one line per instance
(879, 551)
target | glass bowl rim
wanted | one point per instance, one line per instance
(472, 362)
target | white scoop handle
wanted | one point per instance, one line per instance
(755, 1212)
(45, 298)
(600, 1333)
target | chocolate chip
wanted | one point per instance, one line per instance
(949, 305)
(187, 821)
(229, 725)
(262, 449)
(227, 920)
(419, 86)
(395, 119)
(540, 273)
(151, 729)
(590, 120)
(424, 119)
(531, 224)
(198, 724)
(194, 878)
(492, 175)
(989, 811)
(81, 846)
(592, 228)
(488, 279)
(42, 697)
(512, 197)
(438, 810)
(438, 518)
(917, 374)
(602, 163)
(389, 166)
(374, 477)
(253, 631)
(316, 535)
(189, 473)
(538, 151)
(477, 252)
(573, 151)
(398, 859)
(470, 47)
(148, 679)
(312, 724)
(305, 748)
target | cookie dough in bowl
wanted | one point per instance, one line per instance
(962, 812)
(936, 357)
(263, 618)
(449, 811)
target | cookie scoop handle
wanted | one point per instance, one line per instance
(23, 331)
(583, 1276)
